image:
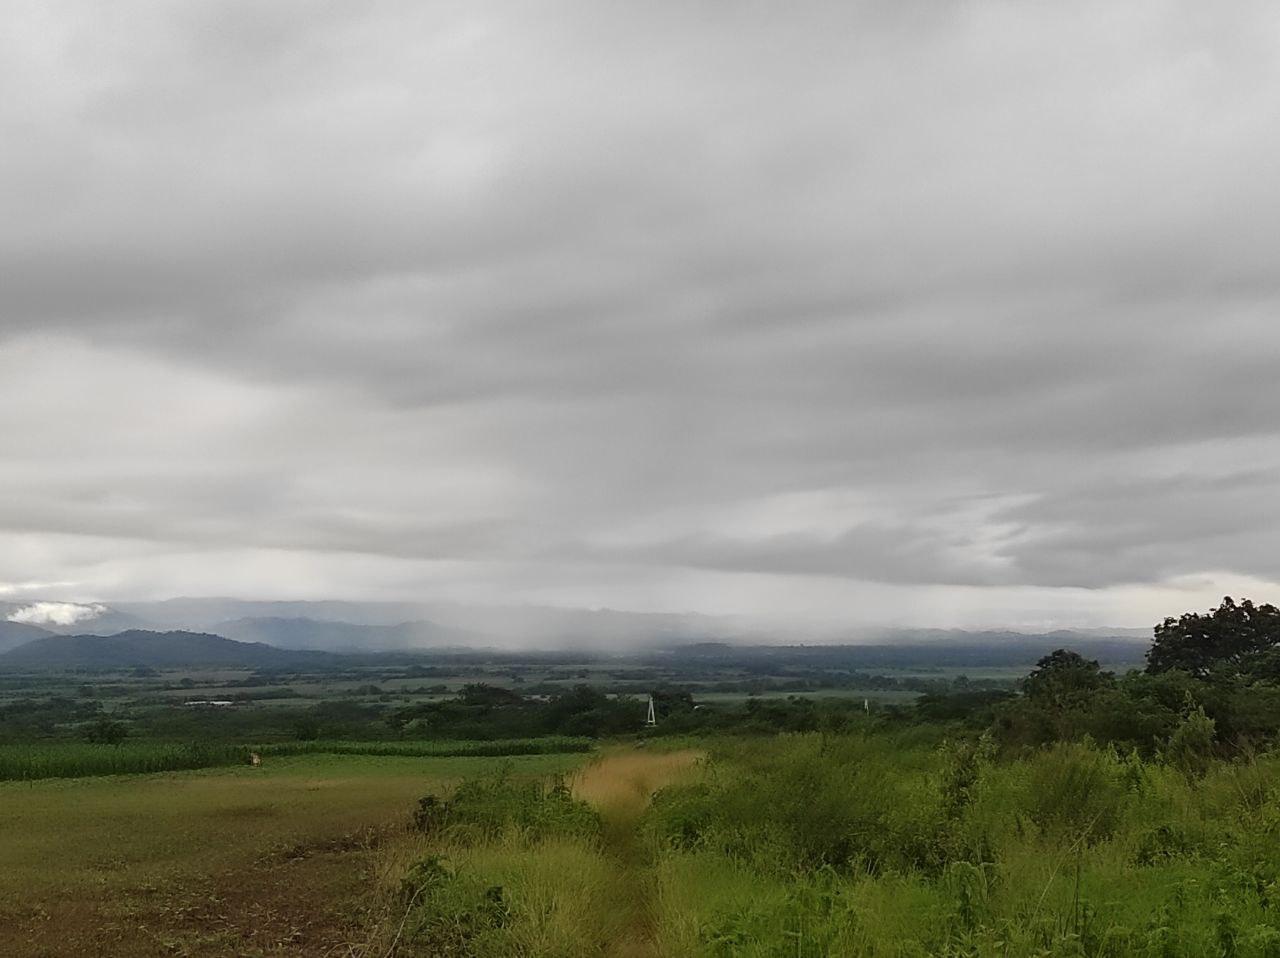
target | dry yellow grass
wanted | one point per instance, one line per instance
(621, 784)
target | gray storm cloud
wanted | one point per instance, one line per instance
(722, 307)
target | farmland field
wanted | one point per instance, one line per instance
(881, 841)
(247, 861)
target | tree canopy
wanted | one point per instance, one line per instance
(1064, 678)
(1234, 637)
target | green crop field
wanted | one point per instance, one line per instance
(77, 760)
(74, 759)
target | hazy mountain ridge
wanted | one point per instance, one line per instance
(548, 626)
(384, 627)
(972, 651)
(14, 634)
(344, 637)
(527, 626)
(158, 650)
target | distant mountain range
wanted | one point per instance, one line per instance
(304, 633)
(193, 650)
(157, 650)
(962, 650)
(429, 624)
(400, 627)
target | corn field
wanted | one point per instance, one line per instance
(550, 745)
(73, 760)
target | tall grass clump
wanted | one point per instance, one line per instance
(511, 867)
(810, 800)
(484, 808)
(875, 844)
(507, 897)
(803, 846)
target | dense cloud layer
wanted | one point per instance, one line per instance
(953, 313)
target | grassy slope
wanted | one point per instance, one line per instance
(569, 894)
(1086, 853)
(878, 845)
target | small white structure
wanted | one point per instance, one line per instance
(652, 719)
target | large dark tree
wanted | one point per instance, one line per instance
(1233, 637)
(1064, 679)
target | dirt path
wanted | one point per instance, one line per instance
(621, 785)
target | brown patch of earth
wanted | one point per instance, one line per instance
(308, 900)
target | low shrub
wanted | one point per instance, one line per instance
(481, 809)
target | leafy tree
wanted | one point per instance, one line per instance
(669, 701)
(306, 729)
(1067, 697)
(1230, 638)
(1064, 679)
(480, 693)
(583, 710)
(106, 732)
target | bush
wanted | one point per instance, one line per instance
(807, 801)
(106, 732)
(481, 809)
(1191, 746)
(1078, 790)
(453, 912)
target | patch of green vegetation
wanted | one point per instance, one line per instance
(1090, 816)
(73, 760)
(550, 745)
(55, 829)
(880, 843)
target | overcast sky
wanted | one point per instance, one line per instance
(946, 313)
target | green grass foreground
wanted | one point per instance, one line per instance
(884, 844)
(75, 760)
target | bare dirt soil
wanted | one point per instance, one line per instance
(280, 860)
